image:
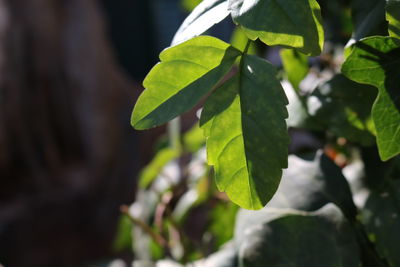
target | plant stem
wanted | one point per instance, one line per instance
(145, 228)
(174, 133)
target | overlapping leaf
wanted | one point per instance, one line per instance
(393, 17)
(376, 61)
(244, 122)
(279, 237)
(203, 17)
(186, 73)
(340, 114)
(295, 24)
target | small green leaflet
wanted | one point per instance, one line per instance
(247, 139)
(393, 17)
(296, 24)
(186, 73)
(376, 61)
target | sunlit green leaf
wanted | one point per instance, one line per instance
(247, 139)
(295, 24)
(376, 61)
(239, 40)
(393, 17)
(186, 73)
(203, 17)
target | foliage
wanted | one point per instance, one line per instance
(335, 206)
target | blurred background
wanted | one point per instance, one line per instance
(70, 72)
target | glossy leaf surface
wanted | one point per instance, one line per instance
(295, 24)
(244, 122)
(376, 61)
(186, 73)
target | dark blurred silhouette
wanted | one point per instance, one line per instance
(68, 156)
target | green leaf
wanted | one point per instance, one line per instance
(295, 65)
(239, 41)
(295, 24)
(247, 139)
(203, 17)
(123, 239)
(279, 237)
(393, 17)
(153, 169)
(381, 216)
(186, 73)
(222, 227)
(376, 61)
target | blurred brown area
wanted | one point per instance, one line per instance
(68, 156)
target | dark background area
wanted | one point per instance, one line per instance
(70, 71)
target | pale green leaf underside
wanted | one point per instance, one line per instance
(203, 17)
(247, 139)
(393, 17)
(376, 61)
(296, 24)
(186, 73)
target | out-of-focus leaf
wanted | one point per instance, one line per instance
(376, 61)
(194, 139)
(123, 239)
(222, 227)
(295, 65)
(186, 73)
(154, 168)
(345, 109)
(277, 237)
(203, 17)
(393, 17)
(295, 24)
(310, 183)
(381, 216)
(247, 139)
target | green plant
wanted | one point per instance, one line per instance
(308, 217)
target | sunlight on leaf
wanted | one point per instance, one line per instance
(247, 139)
(186, 73)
